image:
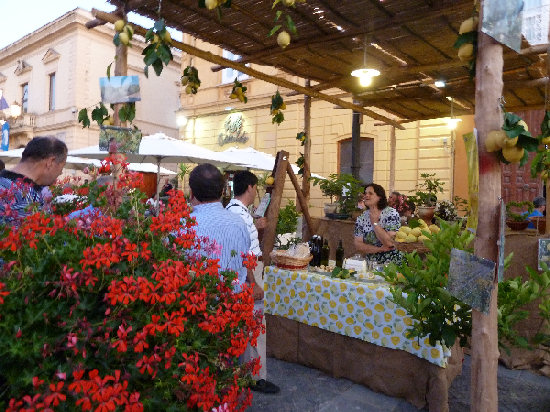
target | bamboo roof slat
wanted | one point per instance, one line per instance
(409, 41)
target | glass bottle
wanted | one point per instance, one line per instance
(325, 253)
(340, 255)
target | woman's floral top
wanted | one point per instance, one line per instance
(390, 221)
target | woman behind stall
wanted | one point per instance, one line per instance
(376, 227)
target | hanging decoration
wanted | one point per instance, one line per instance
(513, 142)
(301, 161)
(277, 107)
(238, 91)
(282, 16)
(190, 80)
(466, 43)
(157, 53)
(124, 33)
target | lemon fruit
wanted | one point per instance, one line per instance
(466, 52)
(546, 140)
(509, 142)
(119, 25)
(416, 232)
(410, 238)
(495, 140)
(211, 4)
(400, 235)
(270, 180)
(283, 39)
(434, 229)
(468, 25)
(124, 38)
(405, 229)
(522, 123)
(167, 38)
(189, 89)
(513, 154)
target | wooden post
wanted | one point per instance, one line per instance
(547, 229)
(281, 162)
(307, 228)
(355, 144)
(301, 199)
(392, 159)
(483, 387)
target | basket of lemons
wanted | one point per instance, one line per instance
(411, 238)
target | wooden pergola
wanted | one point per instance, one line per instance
(411, 43)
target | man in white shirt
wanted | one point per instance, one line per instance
(245, 190)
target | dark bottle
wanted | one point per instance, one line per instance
(318, 246)
(325, 252)
(340, 255)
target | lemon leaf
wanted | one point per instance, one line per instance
(290, 24)
(274, 30)
(83, 118)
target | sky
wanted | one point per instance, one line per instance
(21, 17)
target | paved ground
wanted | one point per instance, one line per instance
(304, 389)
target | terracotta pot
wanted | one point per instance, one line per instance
(426, 213)
(514, 225)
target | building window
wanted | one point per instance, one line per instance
(25, 97)
(51, 101)
(366, 156)
(228, 75)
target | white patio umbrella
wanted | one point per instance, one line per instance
(160, 148)
(79, 163)
(251, 158)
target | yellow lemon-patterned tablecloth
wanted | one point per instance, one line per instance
(358, 309)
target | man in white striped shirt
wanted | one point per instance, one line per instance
(245, 190)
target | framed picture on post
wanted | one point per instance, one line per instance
(544, 252)
(119, 89)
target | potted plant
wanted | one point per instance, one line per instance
(425, 196)
(516, 214)
(343, 188)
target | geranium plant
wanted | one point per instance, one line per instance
(120, 310)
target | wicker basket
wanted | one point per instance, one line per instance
(284, 261)
(409, 247)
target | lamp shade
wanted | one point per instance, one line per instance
(365, 75)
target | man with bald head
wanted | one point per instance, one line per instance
(41, 164)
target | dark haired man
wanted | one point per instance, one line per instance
(41, 163)
(245, 189)
(224, 228)
(540, 207)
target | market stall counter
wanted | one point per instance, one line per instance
(350, 329)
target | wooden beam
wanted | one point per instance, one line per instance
(281, 162)
(301, 199)
(212, 58)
